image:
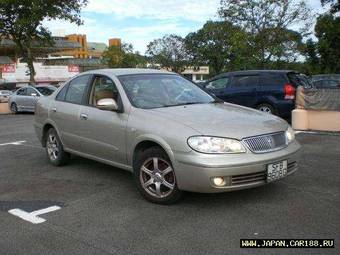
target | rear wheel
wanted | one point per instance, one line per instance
(155, 177)
(14, 108)
(55, 150)
(267, 108)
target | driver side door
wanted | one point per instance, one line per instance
(103, 132)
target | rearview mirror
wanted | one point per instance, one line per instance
(107, 104)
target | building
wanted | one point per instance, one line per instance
(87, 49)
(197, 73)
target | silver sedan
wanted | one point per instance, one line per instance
(25, 98)
(168, 132)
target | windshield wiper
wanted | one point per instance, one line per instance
(217, 101)
(188, 103)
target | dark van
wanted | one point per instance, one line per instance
(266, 90)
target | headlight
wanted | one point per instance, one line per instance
(206, 144)
(290, 135)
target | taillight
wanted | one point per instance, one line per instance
(289, 91)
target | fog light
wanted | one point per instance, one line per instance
(218, 181)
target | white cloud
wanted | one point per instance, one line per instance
(194, 10)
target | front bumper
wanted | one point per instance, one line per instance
(194, 171)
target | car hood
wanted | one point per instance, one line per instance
(224, 119)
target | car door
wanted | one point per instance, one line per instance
(219, 87)
(103, 132)
(31, 98)
(243, 90)
(19, 98)
(65, 111)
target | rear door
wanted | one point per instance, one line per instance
(31, 99)
(243, 90)
(272, 87)
(103, 132)
(65, 111)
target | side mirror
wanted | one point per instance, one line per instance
(107, 104)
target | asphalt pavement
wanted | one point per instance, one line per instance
(101, 211)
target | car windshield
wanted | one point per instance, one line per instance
(46, 91)
(162, 90)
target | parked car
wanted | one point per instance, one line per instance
(4, 95)
(25, 98)
(326, 84)
(171, 134)
(265, 90)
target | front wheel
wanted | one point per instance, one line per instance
(155, 177)
(55, 150)
(14, 108)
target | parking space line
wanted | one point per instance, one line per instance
(33, 216)
(13, 143)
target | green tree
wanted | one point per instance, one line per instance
(327, 30)
(168, 52)
(123, 57)
(21, 21)
(335, 5)
(266, 22)
(220, 45)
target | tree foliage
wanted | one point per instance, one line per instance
(327, 30)
(267, 23)
(21, 21)
(169, 52)
(218, 44)
(335, 5)
(123, 57)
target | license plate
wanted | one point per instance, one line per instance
(276, 171)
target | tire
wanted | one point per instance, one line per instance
(55, 150)
(267, 108)
(155, 177)
(14, 108)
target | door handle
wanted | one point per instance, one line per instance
(54, 109)
(83, 116)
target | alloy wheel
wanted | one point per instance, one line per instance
(157, 177)
(52, 147)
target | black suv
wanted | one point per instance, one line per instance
(266, 90)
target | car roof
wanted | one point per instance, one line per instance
(250, 72)
(126, 71)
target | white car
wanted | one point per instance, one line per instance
(4, 96)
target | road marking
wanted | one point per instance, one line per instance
(33, 216)
(13, 143)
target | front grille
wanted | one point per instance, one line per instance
(248, 178)
(266, 143)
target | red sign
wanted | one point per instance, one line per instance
(73, 69)
(8, 68)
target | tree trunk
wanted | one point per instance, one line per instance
(30, 66)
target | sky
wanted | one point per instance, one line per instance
(140, 21)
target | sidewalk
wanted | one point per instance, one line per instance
(4, 108)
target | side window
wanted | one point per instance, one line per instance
(245, 81)
(272, 79)
(30, 91)
(62, 93)
(103, 87)
(219, 83)
(77, 89)
(22, 92)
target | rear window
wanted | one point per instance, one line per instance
(46, 91)
(245, 81)
(270, 79)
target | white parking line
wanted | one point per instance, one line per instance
(13, 143)
(33, 216)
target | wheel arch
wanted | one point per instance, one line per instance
(48, 125)
(146, 142)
